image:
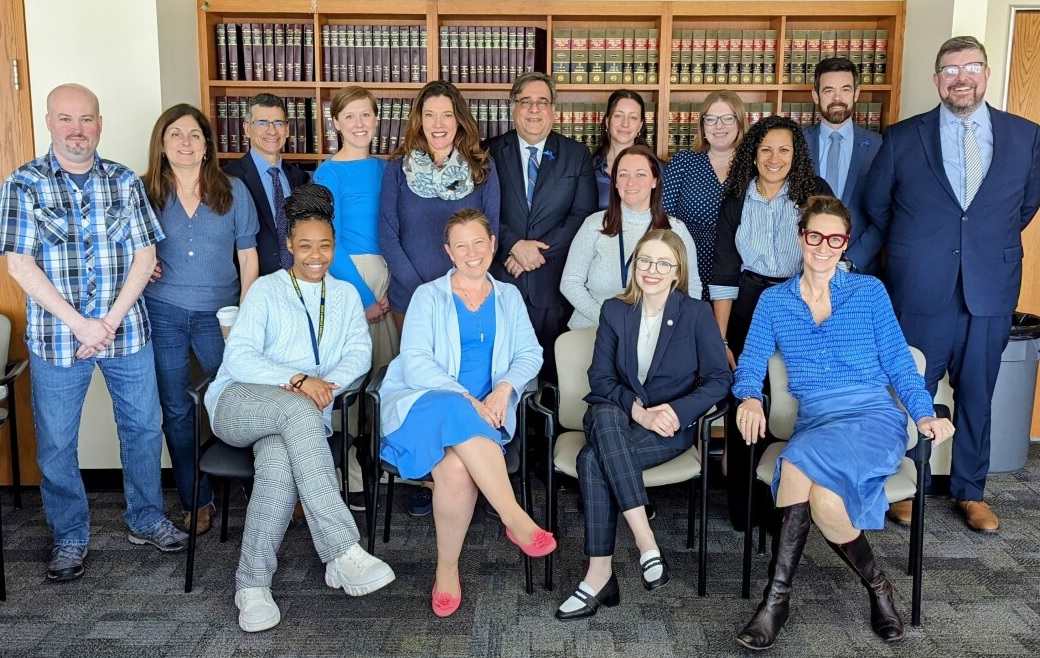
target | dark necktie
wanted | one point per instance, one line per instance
(532, 173)
(833, 158)
(285, 259)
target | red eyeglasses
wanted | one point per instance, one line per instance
(834, 240)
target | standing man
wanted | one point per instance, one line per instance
(951, 192)
(842, 151)
(269, 179)
(548, 189)
(79, 236)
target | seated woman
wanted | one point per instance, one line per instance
(299, 339)
(601, 252)
(449, 399)
(658, 365)
(842, 347)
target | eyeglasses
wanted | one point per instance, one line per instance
(528, 103)
(662, 266)
(951, 71)
(262, 124)
(834, 240)
(726, 119)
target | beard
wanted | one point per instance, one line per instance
(836, 113)
(962, 105)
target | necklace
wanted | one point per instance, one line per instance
(476, 307)
(650, 322)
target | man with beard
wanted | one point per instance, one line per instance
(951, 191)
(842, 151)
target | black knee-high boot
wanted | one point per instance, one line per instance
(761, 631)
(884, 618)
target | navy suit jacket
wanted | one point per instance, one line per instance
(564, 195)
(931, 239)
(267, 246)
(689, 370)
(865, 145)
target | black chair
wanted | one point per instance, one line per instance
(220, 460)
(12, 371)
(516, 462)
(781, 410)
(3, 577)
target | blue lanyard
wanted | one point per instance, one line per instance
(621, 254)
(315, 339)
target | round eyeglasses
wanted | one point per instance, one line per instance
(834, 240)
(662, 266)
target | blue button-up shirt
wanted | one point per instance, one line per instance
(84, 241)
(265, 178)
(848, 134)
(951, 137)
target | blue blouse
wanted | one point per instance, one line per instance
(860, 343)
(692, 194)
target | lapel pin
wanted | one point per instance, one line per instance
(670, 323)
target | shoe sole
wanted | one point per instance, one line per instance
(753, 647)
(262, 625)
(138, 541)
(419, 515)
(71, 576)
(377, 583)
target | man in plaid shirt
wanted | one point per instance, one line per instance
(79, 236)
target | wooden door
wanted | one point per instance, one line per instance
(1023, 99)
(16, 148)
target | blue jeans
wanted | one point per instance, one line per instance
(176, 332)
(57, 402)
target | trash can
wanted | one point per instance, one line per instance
(1013, 396)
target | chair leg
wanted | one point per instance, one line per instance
(389, 506)
(691, 505)
(225, 506)
(16, 468)
(745, 580)
(193, 532)
(550, 518)
(3, 576)
(702, 575)
(916, 551)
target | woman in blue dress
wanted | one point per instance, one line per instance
(449, 399)
(842, 346)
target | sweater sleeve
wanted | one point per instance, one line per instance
(895, 357)
(354, 345)
(526, 359)
(726, 273)
(759, 347)
(574, 281)
(390, 229)
(421, 369)
(245, 360)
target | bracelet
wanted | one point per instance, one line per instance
(725, 342)
(299, 382)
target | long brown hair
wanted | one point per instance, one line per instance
(467, 137)
(633, 293)
(612, 216)
(159, 181)
(604, 127)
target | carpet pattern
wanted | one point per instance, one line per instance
(981, 593)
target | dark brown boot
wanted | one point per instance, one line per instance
(789, 541)
(884, 618)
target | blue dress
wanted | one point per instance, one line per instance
(692, 194)
(441, 419)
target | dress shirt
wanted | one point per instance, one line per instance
(951, 136)
(845, 146)
(525, 155)
(265, 178)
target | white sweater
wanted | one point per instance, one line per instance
(592, 274)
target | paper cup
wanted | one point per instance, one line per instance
(226, 317)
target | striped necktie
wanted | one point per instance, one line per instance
(833, 158)
(972, 163)
(532, 173)
(285, 259)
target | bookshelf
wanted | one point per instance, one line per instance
(655, 44)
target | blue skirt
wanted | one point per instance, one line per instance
(849, 440)
(437, 420)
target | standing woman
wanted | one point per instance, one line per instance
(600, 256)
(209, 221)
(624, 124)
(771, 178)
(696, 180)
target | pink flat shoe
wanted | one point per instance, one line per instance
(444, 604)
(542, 543)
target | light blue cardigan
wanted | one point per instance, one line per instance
(431, 350)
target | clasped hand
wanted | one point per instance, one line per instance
(320, 392)
(494, 406)
(94, 336)
(660, 419)
(525, 256)
(937, 429)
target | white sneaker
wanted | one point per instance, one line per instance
(357, 572)
(257, 611)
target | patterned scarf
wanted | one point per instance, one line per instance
(450, 182)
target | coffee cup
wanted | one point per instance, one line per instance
(226, 317)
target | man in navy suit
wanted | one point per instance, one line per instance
(842, 151)
(268, 178)
(951, 192)
(548, 189)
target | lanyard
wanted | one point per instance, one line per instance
(310, 323)
(621, 255)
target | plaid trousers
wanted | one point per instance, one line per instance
(292, 456)
(610, 470)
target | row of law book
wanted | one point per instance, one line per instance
(605, 56)
(373, 53)
(582, 122)
(479, 54)
(745, 57)
(301, 114)
(269, 52)
(804, 49)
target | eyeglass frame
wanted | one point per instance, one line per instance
(712, 119)
(942, 70)
(262, 124)
(824, 237)
(657, 265)
(529, 103)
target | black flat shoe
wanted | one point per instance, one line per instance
(609, 596)
(658, 561)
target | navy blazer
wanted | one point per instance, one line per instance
(689, 370)
(865, 145)
(267, 247)
(931, 240)
(564, 195)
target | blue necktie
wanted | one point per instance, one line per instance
(833, 176)
(285, 259)
(972, 163)
(532, 173)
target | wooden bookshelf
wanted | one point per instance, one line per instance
(665, 17)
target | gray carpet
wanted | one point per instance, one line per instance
(981, 593)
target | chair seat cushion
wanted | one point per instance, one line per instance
(223, 460)
(767, 464)
(684, 467)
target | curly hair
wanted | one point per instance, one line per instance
(801, 179)
(309, 202)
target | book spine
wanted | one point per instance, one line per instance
(758, 57)
(384, 53)
(331, 138)
(866, 67)
(813, 54)
(841, 43)
(476, 58)
(711, 56)
(650, 111)
(653, 55)
(464, 53)
(222, 52)
(279, 52)
(234, 125)
(561, 55)
(308, 53)
(231, 30)
(258, 51)
(874, 117)
(880, 57)
(395, 53)
(222, 124)
(326, 53)
(736, 39)
(799, 40)
(422, 54)
(628, 64)
(580, 56)
(769, 58)
(642, 59)
(453, 53)
(597, 55)
(268, 36)
(856, 49)
(290, 117)
(246, 68)
(367, 70)
(828, 44)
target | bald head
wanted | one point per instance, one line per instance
(74, 121)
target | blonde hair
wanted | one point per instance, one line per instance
(633, 293)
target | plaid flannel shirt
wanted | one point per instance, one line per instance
(84, 241)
